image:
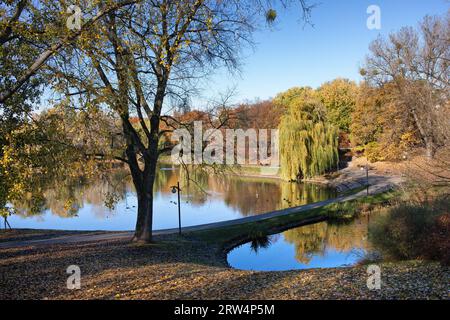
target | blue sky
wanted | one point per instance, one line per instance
(292, 55)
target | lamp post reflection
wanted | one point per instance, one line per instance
(176, 189)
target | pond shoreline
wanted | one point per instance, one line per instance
(194, 266)
(185, 268)
(235, 231)
(85, 205)
(284, 215)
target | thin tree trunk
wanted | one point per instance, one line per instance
(426, 137)
(423, 125)
(429, 145)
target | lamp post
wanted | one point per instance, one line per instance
(176, 189)
(367, 177)
(366, 168)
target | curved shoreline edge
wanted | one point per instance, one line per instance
(89, 236)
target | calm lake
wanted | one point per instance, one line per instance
(80, 204)
(321, 245)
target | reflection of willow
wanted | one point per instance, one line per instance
(256, 197)
(313, 239)
(295, 194)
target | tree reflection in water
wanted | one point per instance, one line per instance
(262, 242)
(316, 239)
(320, 245)
(66, 195)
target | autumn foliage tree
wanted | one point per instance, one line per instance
(414, 63)
(258, 115)
(140, 59)
(339, 98)
(382, 125)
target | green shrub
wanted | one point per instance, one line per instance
(413, 230)
(349, 210)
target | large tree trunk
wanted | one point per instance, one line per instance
(143, 182)
(144, 224)
(144, 186)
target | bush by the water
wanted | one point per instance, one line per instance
(414, 230)
(349, 210)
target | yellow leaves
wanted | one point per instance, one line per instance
(307, 145)
(17, 189)
(408, 137)
(209, 23)
(4, 212)
(10, 184)
(6, 160)
(271, 15)
(408, 140)
(68, 205)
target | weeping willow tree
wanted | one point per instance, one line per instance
(308, 143)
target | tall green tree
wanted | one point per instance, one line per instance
(339, 98)
(308, 142)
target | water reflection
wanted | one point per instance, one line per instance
(321, 245)
(107, 201)
(260, 243)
